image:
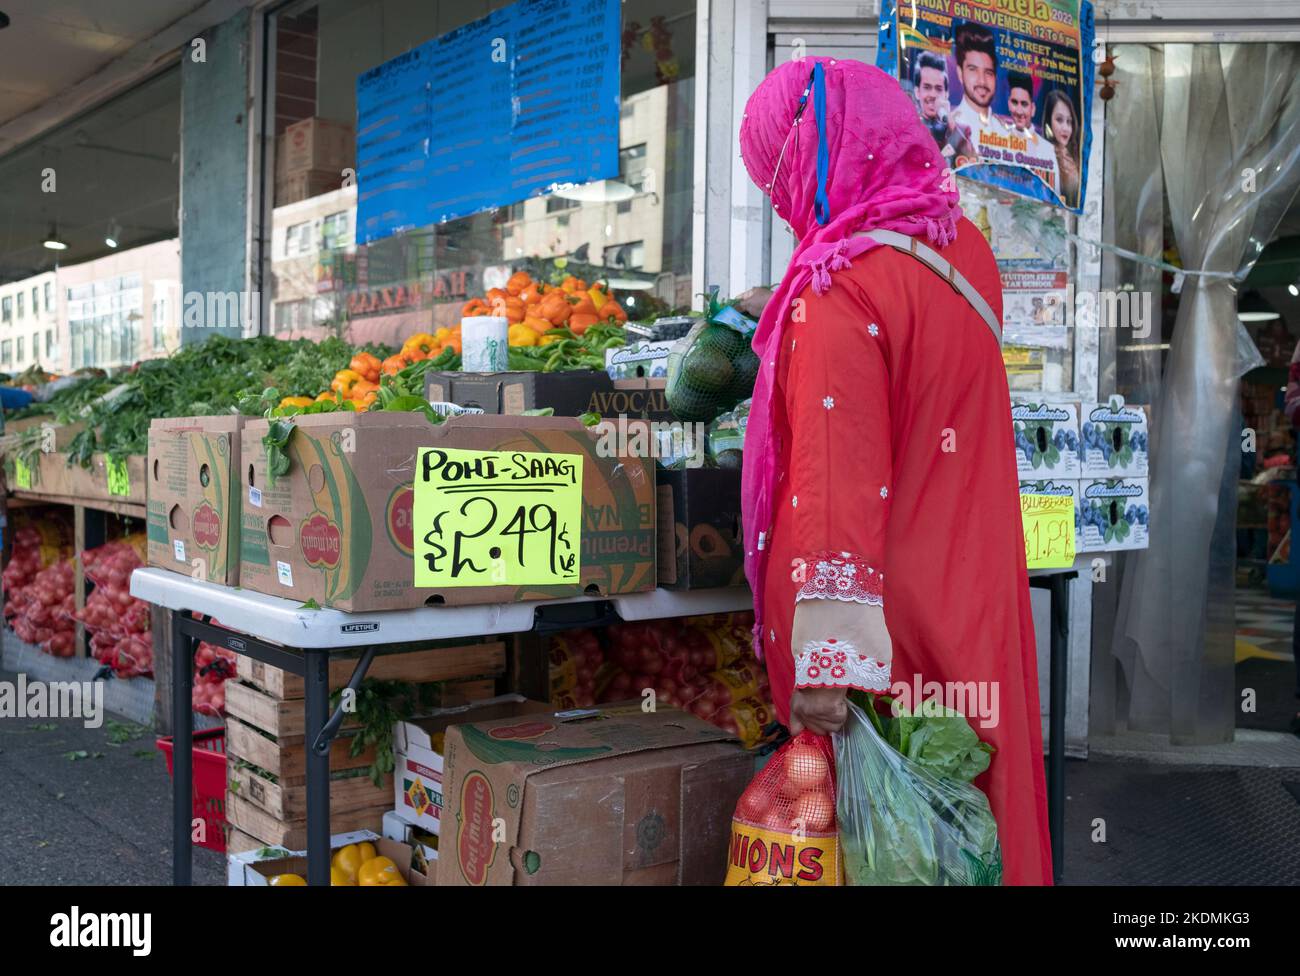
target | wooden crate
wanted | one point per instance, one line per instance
(265, 727)
(435, 664)
(257, 823)
(286, 759)
(355, 792)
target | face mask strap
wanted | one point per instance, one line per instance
(821, 204)
(794, 127)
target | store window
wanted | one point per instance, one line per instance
(21, 353)
(49, 339)
(7, 309)
(103, 321)
(117, 166)
(6, 352)
(159, 321)
(323, 282)
(20, 304)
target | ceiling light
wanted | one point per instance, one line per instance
(53, 241)
(1295, 292)
(1253, 308)
(112, 235)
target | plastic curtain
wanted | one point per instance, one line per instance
(1227, 120)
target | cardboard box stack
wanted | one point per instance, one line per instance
(310, 157)
(1096, 452)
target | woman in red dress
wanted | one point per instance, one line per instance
(882, 517)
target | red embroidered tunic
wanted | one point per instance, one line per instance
(898, 488)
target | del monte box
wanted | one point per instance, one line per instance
(385, 510)
(193, 496)
(611, 795)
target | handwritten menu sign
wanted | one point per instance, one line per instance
(497, 518)
(1049, 530)
(486, 115)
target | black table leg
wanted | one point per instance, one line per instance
(182, 751)
(318, 767)
(1056, 722)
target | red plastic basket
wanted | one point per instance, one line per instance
(209, 784)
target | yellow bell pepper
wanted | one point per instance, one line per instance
(297, 401)
(344, 380)
(546, 340)
(522, 335)
(419, 346)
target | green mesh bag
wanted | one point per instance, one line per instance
(710, 371)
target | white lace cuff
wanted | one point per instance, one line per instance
(835, 663)
(842, 576)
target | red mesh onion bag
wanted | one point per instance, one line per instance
(783, 830)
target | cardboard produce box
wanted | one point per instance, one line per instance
(604, 796)
(1113, 439)
(1047, 438)
(193, 508)
(698, 512)
(570, 393)
(1114, 513)
(339, 527)
(319, 144)
(418, 766)
(256, 868)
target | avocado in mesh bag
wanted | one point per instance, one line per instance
(709, 371)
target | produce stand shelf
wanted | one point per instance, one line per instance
(125, 508)
(300, 641)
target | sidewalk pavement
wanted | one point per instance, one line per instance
(92, 807)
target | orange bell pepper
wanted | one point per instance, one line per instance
(393, 365)
(612, 310)
(367, 364)
(580, 322)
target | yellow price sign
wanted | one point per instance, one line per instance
(496, 518)
(1049, 530)
(22, 474)
(119, 480)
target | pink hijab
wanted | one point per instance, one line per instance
(882, 170)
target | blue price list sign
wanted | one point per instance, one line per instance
(513, 104)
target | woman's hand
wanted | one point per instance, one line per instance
(819, 710)
(753, 301)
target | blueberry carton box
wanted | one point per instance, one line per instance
(1113, 439)
(1047, 438)
(1114, 513)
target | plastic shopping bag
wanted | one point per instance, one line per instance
(783, 831)
(899, 824)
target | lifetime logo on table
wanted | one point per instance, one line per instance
(497, 518)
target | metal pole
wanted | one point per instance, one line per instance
(182, 665)
(318, 768)
(1056, 723)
